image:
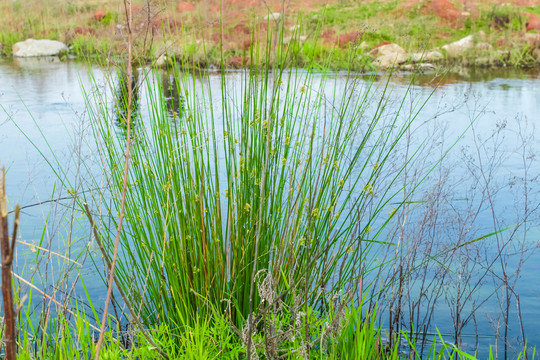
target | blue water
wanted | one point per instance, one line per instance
(42, 99)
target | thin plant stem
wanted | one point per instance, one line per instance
(128, 9)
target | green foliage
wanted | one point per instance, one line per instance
(534, 9)
(110, 18)
(90, 48)
(7, 39)
(75, 8)
(344, 15)
(17, 6)
(505, 17)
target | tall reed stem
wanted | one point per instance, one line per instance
(127, 6)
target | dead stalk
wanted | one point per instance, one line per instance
(128, 9)
(7, 259)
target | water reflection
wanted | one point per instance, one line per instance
(122, 101)
(172, 95)
(458, 75)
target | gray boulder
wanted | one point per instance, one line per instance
(389, 55)
(31, 48)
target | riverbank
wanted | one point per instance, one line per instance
(409, 34)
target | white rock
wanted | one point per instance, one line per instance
(31, 47)
(484, 46)
(421, 66)
(273, 16)
(294, 28)
(426, 66)
(427, 56)
(387, 56)
(300, 39)
(363, 46)
(459, 47)
(161, 60)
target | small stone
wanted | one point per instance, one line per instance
(503, 54)
(273, 16)
(388, 55)
(289, 39)
(431, 56)
(426, 66)
(408, 67)
(421, 67)
(483, 46)
(363, 46)
(161, 60)
(294, 28)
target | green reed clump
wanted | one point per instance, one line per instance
(274, 171)
(277, 176)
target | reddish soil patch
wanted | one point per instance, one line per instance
(240, 29)
(99, 15)
(525, 2)
(382, 44)
(329, 36)
(243, 3)
(135, 9)
(239, 61)
(533, 23)
(84, 31)
(443, 9)
(185, 6)
(344, 40)
(165, 23)
(216, 37)
(246, 45)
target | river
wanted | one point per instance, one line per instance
(43, 123)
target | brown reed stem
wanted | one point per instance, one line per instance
(129, 13)
(7, 249)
